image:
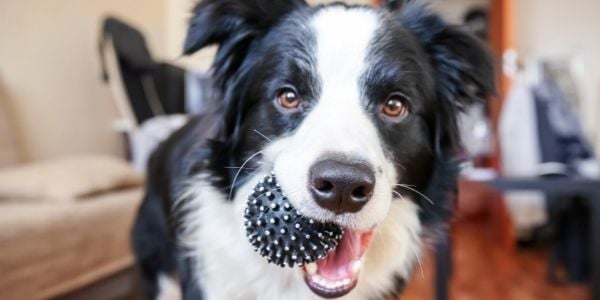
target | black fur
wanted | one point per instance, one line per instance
(262, 47)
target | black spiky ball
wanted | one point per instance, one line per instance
(280, 234)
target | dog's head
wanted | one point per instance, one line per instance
(353, 108)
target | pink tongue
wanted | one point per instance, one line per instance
(338, 263)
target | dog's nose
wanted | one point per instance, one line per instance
(341, 186)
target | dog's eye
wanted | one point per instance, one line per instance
(395, 107)
(288, 99)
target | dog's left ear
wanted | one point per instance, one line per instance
(462, 65)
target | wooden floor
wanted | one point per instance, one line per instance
(483, 271)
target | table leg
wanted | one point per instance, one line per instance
(595, 243)
(443, 266)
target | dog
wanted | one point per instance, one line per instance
(353, 108)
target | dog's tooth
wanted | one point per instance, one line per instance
(331, 285)
(346, 281)
(311, 268)
(356, 265)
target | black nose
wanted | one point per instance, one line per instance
(341, 186)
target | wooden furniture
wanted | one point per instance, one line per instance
(587, 188)
(52, 249)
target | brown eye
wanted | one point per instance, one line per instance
(395, 107)
(288, 99)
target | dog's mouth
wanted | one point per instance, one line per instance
(337, 274)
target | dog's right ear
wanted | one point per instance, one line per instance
(233, 24)
(221, 21)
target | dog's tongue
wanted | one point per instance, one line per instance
(337, 274)
(344, 261)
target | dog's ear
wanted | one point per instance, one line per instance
(462, 65)
(233, 24)
(393, 4)
(222, 21)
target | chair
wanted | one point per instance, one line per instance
(142, 88)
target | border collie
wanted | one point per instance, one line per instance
(354, 108)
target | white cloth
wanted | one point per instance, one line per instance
(519, 146)
(198, 92)
(475, 131)
(150, 134)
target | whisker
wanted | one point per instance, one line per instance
(420, 264)
(414, 190)
(261, 134)
(399, 195)
(401, 166)
(240, 168)
(238, 173)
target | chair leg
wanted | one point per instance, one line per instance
(443, 262)
(595, 245)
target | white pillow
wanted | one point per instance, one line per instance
(67, 179)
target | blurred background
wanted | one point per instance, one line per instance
(88, 88)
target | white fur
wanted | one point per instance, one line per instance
(228, 267)
(343, 38)
(168, 288)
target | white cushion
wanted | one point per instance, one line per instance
(67, 179)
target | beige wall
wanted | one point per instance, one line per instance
(50, 72)
(557, 28)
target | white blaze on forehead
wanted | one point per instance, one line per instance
(343, 37)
